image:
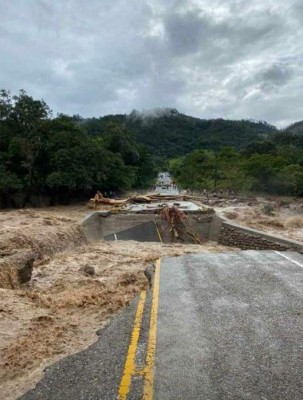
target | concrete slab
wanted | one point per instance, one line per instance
(186, 206)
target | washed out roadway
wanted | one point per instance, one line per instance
(215, 326)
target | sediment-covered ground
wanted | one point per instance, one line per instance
(279, 216)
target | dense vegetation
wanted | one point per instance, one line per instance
(67, 158)
(41, 156)
(168, 133)
(296, 128)
(218, 154)
(274, 165)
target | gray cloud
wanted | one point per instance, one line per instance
(208, 58)
(276, 75)
(186, 33)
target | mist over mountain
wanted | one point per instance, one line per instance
(168, 133)
(296, 128)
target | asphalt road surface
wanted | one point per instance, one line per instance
(213, 327)
(145, 232)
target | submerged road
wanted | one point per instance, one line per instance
(214, 326)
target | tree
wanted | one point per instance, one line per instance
(24, 119)
(120, 141)
(264, 169)
(146, 168)
(290, 180)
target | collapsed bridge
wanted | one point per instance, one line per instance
(174, 219)
(166, 221)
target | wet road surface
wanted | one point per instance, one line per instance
(230, 327)
(214, 326)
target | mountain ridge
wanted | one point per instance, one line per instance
(168, 133)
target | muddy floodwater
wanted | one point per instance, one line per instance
(74, 290)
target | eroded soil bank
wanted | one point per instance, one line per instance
(74, 290)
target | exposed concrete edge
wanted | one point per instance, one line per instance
(215, 228)
(91, 225)
(93, 214)
(96, 229)
(221, 220)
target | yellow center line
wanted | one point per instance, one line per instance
(130, 366)
(159, 235)
(148, 390)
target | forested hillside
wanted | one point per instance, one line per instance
(54, 158)
(217, 154)
(274, 165)
(168, 133)
(66, 158)
(296, 128)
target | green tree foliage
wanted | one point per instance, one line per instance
(291, 179)
(41, 155)
(296, 128)
(122, 142)
(70, 157)
(279, 171)
(169, 134)
(205, 169)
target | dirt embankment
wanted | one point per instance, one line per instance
(28, 237)
(71, 293)
(281, 217)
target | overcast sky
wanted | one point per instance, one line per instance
(207, 58)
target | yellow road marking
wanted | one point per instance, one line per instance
(130, 366)
(158, 232)
(151, 349)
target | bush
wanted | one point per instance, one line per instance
(268, 209)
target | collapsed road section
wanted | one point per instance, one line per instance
(168, 220)
(176, 219)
